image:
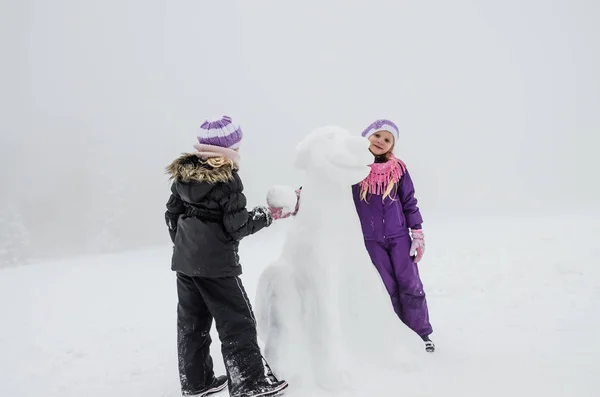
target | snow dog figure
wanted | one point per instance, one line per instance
(322, 310)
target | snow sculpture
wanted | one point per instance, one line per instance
(322, 310)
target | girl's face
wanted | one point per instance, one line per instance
(381, 142)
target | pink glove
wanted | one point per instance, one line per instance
(298, 191)
(277, 213)
(417, 247)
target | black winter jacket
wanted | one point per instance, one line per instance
(207, 217)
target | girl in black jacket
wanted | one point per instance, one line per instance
(207, 217)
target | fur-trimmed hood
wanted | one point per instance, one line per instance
(189, 167)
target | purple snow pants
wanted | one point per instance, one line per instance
(401, 278)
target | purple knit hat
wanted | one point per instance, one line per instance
(382, 125)
(221, 133)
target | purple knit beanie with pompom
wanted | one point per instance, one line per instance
(221, 133)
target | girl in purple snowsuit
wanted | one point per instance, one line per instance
(391, 226)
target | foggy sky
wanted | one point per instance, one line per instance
(497, 102)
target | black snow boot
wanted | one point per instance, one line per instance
(219, 383)
(270, 389)
(429, 345)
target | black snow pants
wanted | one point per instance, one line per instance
(225, 300)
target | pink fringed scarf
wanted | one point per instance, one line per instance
(382, 174)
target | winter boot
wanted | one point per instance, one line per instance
(268, 390)
(218, 384)
(429, 345)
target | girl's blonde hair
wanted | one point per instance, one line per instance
(390, 185)
(218, 162)
(388, 191)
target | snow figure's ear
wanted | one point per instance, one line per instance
(302, 155)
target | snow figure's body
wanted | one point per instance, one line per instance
(322, 309)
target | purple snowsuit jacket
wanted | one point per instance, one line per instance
(392, 217)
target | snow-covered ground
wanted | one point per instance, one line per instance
(515, 304)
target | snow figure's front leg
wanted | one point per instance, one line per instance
(332, 363)
(278, 314)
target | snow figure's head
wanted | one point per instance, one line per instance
(336, 155)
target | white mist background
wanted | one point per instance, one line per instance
(497, 104)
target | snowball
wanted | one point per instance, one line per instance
(282, 196)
